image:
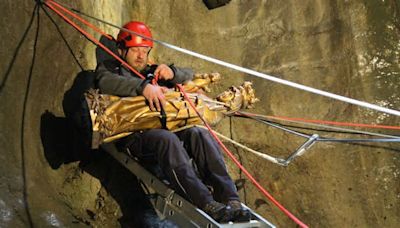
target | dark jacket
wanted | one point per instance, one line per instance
(115, 79)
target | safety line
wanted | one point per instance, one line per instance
(302, 120)
(357, 140)
(90, 37)
(325, 139)
(83, 21)
(282, 128)
(257, 153)
(338, 123)
(258, 74)
(340, 129)
(62, 37)
(244, 170)
(28, 209)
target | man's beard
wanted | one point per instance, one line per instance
(139, 66)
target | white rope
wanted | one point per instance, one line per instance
(259, 154)
(282, 81)
(258, 74)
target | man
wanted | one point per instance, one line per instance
(172, 151)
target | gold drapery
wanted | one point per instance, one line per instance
(114, 117)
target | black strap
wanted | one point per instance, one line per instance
(163, 119)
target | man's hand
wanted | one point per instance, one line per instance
(164, 72)
(155, 96)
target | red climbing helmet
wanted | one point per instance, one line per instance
(126, 39)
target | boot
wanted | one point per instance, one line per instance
(218, 211)
(239, 213)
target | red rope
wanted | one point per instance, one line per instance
(347, 124)
(90, 37)
(156, 78)
(81, 20)
(265, 192)
(251, 178)
(340, 123)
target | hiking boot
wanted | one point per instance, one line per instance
(218, 211)
(239, 213)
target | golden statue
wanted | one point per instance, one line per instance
(114, 117)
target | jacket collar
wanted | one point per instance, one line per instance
(126, 72)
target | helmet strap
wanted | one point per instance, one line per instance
(123, 52)
(126, 53)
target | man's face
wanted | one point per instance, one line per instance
(136, 57)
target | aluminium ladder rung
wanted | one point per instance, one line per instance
(170, 205)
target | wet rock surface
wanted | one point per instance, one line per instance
(48, 179)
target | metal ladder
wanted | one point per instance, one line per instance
(169, 205)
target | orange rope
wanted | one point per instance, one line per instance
(81, 20)
(347, 124)
(90, 37)
(241, 167)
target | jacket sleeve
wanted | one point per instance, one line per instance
(110, 82)
(181, 75)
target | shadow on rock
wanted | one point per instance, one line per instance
(67, 139)
(57, 137)
(126, 190)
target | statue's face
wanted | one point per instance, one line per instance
(226, 96)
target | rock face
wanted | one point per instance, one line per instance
(346, 47)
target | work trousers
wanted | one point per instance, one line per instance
(174, 152)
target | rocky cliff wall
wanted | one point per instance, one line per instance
(346, 47)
